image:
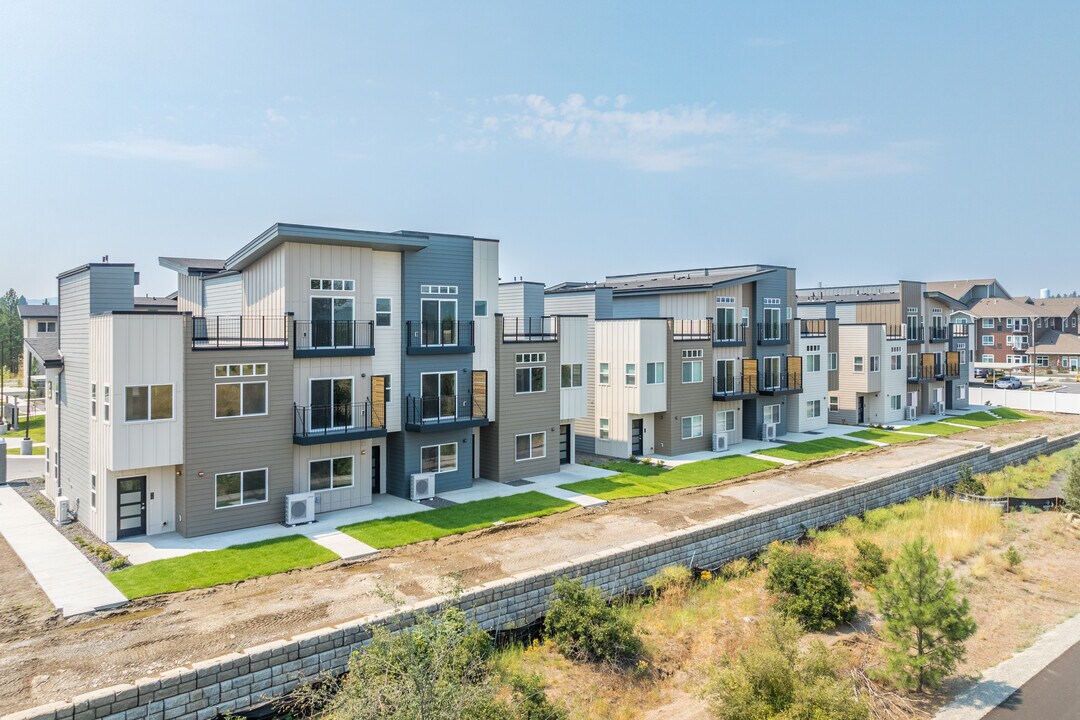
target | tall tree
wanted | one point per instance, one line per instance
(925, 621)
(11, 334)
(1071, 489)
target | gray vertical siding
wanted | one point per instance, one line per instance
(684, 400)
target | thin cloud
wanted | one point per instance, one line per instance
(276, 118)
(203, 155)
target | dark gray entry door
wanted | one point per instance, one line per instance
(564, 444)
(637, 431)
(131, 506)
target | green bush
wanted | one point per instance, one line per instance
(967, 483)
(870, 564)
(117, 562)
(1071, 489)
(1012, 557)
(673, 577)
(584, 626)
(815, 591)
(735, 569)
(531, 701)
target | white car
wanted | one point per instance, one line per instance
(1009, 383)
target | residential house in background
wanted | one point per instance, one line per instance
(39, 328)
(969, 292)
(1021, 331)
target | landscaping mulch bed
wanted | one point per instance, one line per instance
(33, 492)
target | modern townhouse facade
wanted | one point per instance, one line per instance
(330, 363)
(932, 326)
(689, 360)
(1024, 331)
(39, 326)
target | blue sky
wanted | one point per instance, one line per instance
(859, 142)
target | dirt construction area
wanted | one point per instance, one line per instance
(44, 658)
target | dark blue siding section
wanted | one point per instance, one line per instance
(637, 307)
(772, 285)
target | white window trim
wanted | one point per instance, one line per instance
(858, 363)
(813, 403)
(766, 411)
(834, 362)
(343, 282)
(254, 370)
(438, 458)
(700, 426)
(700, 375)
(266, 486)
(600, 373)
(389, 313)
(352, 482)
(242, 413)
(530, 368)
(531, 456)
(149, 403)
(106, 404)
(93, 400)
(604, 433)
(662, 366)
(580, 375)
(630, 370)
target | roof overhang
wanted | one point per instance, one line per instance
(280, 233)
(694, 287)
(46, 351)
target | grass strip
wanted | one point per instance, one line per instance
(815, 449)
(639, 480)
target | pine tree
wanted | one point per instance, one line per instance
(11, 330)
(1071, 489)
(925, 622)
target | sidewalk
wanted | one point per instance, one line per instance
(70, 581)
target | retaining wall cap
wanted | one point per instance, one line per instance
(265, 647)
(42, 711)
(312, 635)
(95, 695)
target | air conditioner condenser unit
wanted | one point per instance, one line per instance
(719, 442)
(299, 508)
(423, 486)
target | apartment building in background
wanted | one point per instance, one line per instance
(932, 330)
(39, 328)
(691, 360)
(1022, 331)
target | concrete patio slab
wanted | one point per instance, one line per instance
(69, 580)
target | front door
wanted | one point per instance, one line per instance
(376, 470)
(131, 507)
(564, 444)
(860, 404)
(637, 432)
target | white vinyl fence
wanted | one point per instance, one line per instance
(1026, 399)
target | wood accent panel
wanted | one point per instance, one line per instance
(479, 393)
(378, 401)
(749, 372)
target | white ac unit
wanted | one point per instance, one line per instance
(423, 486)
(936, 408)
(910, 413)
(299, 508)
(63, 505)
(719, 442)
(768, 431)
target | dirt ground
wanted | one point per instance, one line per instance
(43, 658)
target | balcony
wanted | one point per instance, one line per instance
(445, 412)
(687, 330)
(231, 332)
(729, 335)
(734, 387)
(959, 331)
(318, 424)
(773, 333)
(894, 332)
(812, 328)
(333, 338)
(785, 383)
(914, 334)
(446, 337)
(948, 370)
(938, 333)
(530, 329)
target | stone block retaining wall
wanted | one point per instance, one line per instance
(258, 674)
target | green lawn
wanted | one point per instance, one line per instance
(1010, 414)
(637, 480)
(206, 569)
(985, 419)
(14, 449)
(814, 449)
(884, 436)
(37, 430)
(935, 428)
(434, 524)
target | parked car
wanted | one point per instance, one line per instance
(981, 372)
(1009, 383)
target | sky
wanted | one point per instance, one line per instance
(858, 142)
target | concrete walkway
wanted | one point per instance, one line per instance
(1000, 682)
(71, 582)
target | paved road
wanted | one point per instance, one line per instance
(1053, 694)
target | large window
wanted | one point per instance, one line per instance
(771, 414)
(245, 487)
(988, 340)
(332, 322)
(148, 402)
(770, 329)
(530, 446)
(438, 395)
(240, 399)
(331, 403)
(771, 376)
(631, 374)
(693, 371)
(438, 458)
(988, 322)
(725, 375)
(571, 375)
(896, 362)
(875, 363)
(913, 326)
(654, 373)
(530, 379)
(725, 420)
(725, 323)
(894, 402)
(439, 322)
(331, 473)
(813, 363)
(692, 426)
(813, 408)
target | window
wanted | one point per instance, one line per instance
(857, 363)
(330, 284)
(386, 389)
(912, 325)
(605, 373)
(480, 308)
(604, 429)
(382, 312)
(571, 375)
(330, 474)
(875, 363)
(148, 402)
(770, 329)
(93, 491)
(46, 326)
(331, 403)
(692, 427)
(746, 317)
(1042, 360)
(439, 458)
(813, 363)
(93, 400)
(240, 370)
(332, 322)
(771, 375)
(896, 362)
(48, 390)
(654, 373)
(105, 404)
(438, 395)
(833, 361)
(239, 399)
(693, 371)
(987, 358)
(438, 290)
(233, 489)
(1009, 323)
(531, 446)
(691, 354)
(438, 324)
(523, 358)
(725, 322)
(725, 420)
(813, 408)
(771, 414)
(631, 374)
(961, 392)
(913, 365)
(894, 402)
(531, 379)
(834, 403)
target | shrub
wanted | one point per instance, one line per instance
(734, 569)
(117, 562)
(1012, 557)
(672, 578)
(1071, 489)
(815, 591)
(967, 483)
(530, 699)
(870, 564)
(774, 679)
(585, 626)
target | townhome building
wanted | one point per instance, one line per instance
(969, 292)
(934, 331)
(310, 371)
(691, 360)
(39, 327)
(1021, 331)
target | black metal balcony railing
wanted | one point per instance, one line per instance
(441, 336)
(894, 332)
(772, 333)
(444, 409)
(339, 421)
(733, 386)
(684, 330)
(771, 383)
(947, 370)
(938, 333)
(227, 332)
(959, 330)
(812, 328)
(334, 335)
(531, 329)
(914, 333)
(728, 334)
